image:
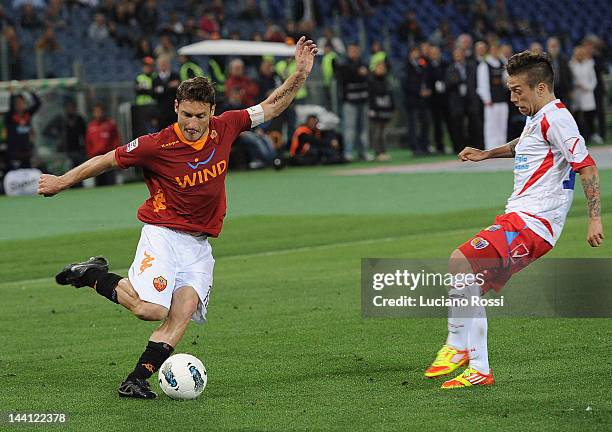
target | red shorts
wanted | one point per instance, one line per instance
(503, 249)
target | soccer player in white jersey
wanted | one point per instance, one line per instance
(547, 156)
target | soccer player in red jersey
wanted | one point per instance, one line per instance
(547, 156)
(184, 169)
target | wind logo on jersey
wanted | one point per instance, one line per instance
(202, 176)
(146, 262)
(170, 144)
(493, 228)
(197, 164)
(479, 243)
(160, 283)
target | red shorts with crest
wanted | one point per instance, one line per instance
(503, 249)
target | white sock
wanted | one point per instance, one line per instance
(477, 334)
(458, 322)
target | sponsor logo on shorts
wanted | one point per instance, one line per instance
(159, 283)
(479, 243)
(519, 251)
(146, 262)
(131, 145)
(494, 228)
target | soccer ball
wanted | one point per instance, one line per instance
(182, 377)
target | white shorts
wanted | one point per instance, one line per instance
(168, 259)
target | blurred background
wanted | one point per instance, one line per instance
(397, 79)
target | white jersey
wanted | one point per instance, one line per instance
(548, 154)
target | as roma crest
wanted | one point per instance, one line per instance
(160, 283)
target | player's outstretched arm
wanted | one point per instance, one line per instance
(49, 185)
(476, 155)
(281, 98)
(590, 183)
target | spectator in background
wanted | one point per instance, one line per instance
(268, 79)
(380, 111)
(165, 47)
(308, 146)
(143, 85)
(56, 14)
(68, 128)
(505, 52)
(14, 50)
(143, 48)
(335, 42)
(251, 11)
(47, 41)
(465, 42)
(593, 46)
(190, 35)
(174, 26)
(583, 96)
(377, 55)
(491, 87)
(457, 100)
(165, 84)
(438, 103)
(208, 25)
(353, 77)
(443, 37)
(414, 89)
(29, 20)
(476, 107)
(562, 72)
(537, 48)
(98, 31)
(101, 137)
(274, 33)
(409, 30)
(148, 17)
(328, 65)
(238, 85)
(19, 132)
(189, 68)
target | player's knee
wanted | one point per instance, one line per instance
(149, 312)
(458, 263)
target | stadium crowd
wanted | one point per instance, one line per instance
(443, 83)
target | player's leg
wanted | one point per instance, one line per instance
(453, 353)
(94, 273)
(185, 302)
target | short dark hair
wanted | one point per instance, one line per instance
(538, 68)
(198, 89)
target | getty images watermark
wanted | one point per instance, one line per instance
(545, 288)
(404, 279)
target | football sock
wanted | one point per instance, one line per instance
(151, 360)
(459, 321)
(477, 335)
(103, 282)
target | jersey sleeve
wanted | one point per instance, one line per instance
(563, 134)
(136, 153)
(236, 121)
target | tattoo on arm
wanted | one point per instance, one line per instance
(282, 97)
(512, 146)
(590, 185)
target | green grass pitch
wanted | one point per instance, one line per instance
(285, 345)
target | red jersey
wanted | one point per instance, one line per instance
(186, 179)
(101, 137)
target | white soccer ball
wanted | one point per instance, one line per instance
(182, 377)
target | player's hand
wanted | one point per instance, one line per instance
(595, 235)
(305, 52)
(49, 185)
(472, 154)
